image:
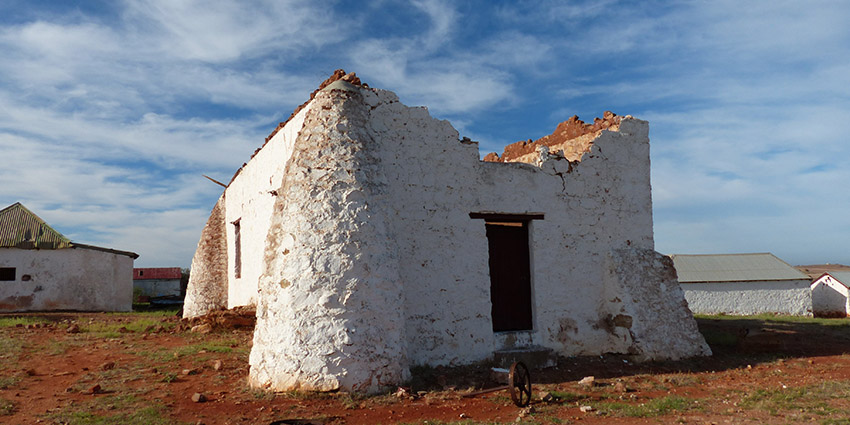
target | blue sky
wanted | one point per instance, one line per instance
(111, 111)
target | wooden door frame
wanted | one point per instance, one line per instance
(525, 219)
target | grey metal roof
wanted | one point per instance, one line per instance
(734, 268)
(20, 228)
(841, 276)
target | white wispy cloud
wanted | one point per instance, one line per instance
(225, 31)
(109, 120)
(101, 109)
(443, 18)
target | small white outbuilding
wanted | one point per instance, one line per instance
(743, 284)
(40, 269)
(830, 294)
(158, 281)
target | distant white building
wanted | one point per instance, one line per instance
(830, 294)
(40, 269)
(743, 284)
(158, 281)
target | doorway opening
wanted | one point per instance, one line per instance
(510, 275)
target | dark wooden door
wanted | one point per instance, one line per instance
(510, 276)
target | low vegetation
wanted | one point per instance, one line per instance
(652, 408)
(142, 368)
(140, 416)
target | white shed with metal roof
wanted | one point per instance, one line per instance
(40, 269)
(831, 294)
(743, 284)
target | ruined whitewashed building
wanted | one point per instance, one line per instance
(371, 238)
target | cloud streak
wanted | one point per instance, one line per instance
(109, 116)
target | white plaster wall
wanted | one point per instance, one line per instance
(249, 198)
(792, 297)
(67, 279)
(443, 259)
(436, 181)
(830, 297)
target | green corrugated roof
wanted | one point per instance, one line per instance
(20, 228)
(734, 268)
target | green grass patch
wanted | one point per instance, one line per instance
(122, 408)
(810, 399)
(9, 381)
(58, 347)
(773, 401)
(115, 330)
(146, 309)
(9, 346)
(6, 407)
(168, 377)
(200, 352)
(140, 416)
(568, 397)
(12, 322)
(779, 318)
(10, 349)
(221, 346)
(656, 407)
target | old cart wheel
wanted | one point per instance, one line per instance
(519, 384)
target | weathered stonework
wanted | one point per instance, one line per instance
(791, 297)
(331, 277)
(571, 139)
(651, 314)
(207, 288)
(363, 244)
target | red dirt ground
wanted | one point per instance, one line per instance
(779, 373)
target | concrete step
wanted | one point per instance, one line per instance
(534, 356)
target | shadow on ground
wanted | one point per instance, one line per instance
(735, 342)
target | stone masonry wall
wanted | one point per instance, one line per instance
(650, 311)
(330, 307)
(207, 288)
(792, 297)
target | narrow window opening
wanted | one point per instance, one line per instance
(237, 249)
(7, 274)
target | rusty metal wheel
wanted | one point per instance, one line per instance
(519, 384)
